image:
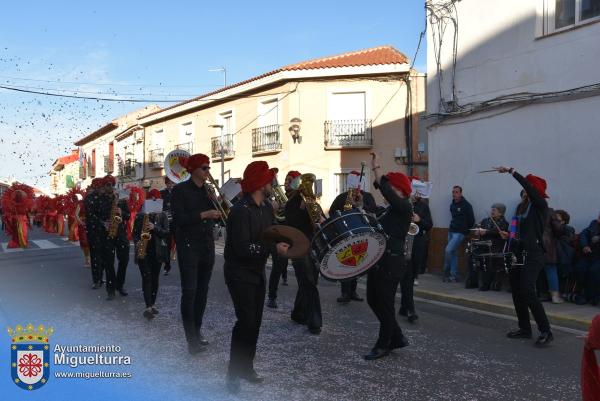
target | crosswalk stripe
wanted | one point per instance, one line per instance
(45, 244)
(5, 248)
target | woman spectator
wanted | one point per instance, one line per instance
(558, 238)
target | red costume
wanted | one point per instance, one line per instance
(71, 201)
(17, 203)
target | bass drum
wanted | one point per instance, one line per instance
(348, 244)
(173, 168)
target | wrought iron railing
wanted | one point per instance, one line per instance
(127, 169)
(91, 169)
(228, 147)
(109, 164)
(156, 159)
(348, 133)
(188, 147)
(266, 139)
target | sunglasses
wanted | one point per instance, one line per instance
(205, 168)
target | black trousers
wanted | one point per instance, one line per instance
(196, 260)
(122, 251)
(307, 306)
(169, 241)
(419, 253)
(522, 282)
(348, 287)
(278, 270)
(95, 257)
(382, 283)
(107, 257)
(150, 271)
(248, 301)
(407, 289)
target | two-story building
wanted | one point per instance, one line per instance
(513, 83)
(323, 116)
(64, 173)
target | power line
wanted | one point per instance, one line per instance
(76, 91)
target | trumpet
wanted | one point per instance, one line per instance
(144, 238)
(220, 202)
(281, 198)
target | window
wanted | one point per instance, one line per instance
(186, 132)
(565, 14)
(268, 113)
(340, 180)
(347, 106)
(226, 120)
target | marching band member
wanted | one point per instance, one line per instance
(307, 305)
(359, 199)
(120, 244)
(166, 197)
(279, 269)
(194, 216)
(245, 259)
(382, 281)
(532, 214)
(97, 209)
(154, 254)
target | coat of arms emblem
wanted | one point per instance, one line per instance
(30, 355)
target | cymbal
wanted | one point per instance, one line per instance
(298, 242)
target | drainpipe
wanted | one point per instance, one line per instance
(408, 126)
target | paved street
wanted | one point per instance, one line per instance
(455, 354)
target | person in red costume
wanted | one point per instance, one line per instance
(17, 203)
(590, 370)
(79, 215)
(60, 214)
(70, 203)
(137, 196)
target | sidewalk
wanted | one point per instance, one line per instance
(567, 314)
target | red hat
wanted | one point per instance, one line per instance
(97, 182)
(194, 161)
(401, 182)
(109, 180)
(538, 183)
(257, 175)
(293, 174)
(154, 194)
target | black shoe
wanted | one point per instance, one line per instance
(520, 333)
(544, 339)
(167, 269)
(314, 330)
(97, 285)
(377, 353)
(123, 292)
(154, 311)
(343, 299)
(148, 314)
(403, 312)
(271, 303)
(252, 377)
(298, 320)
(412, 317)
(484, 288)
(470, 286)
(110, 296)
(399, 343)
(284, 282)
(202, 340)
(355, 297)
(195, 348)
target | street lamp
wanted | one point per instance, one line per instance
(222, 152)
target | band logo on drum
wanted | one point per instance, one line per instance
(354, 254)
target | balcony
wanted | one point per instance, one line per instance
(109, 164)
(81, 172)
(91, 169)
(156, 159)
(266, 140)
(188, 147)
(215, 144)
(348, 134)
(127, 169)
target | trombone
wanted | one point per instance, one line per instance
(220, 202)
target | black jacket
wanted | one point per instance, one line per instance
(187, 202)
(97, 212)
(421, 208)
(369, 204)
(397, 217)
(245, 253)
(492, 233)
(462, 216)
(125, 215)
(157, 249)
(165, 195)
(585, 239)
(533, 219)
(298, 218)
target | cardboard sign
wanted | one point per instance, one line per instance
(153, 206)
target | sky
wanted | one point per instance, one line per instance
(154, 50)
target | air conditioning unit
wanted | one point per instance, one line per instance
(138, 136)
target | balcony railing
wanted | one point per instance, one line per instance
(188, 147)
(82, 172)
(91, 169)
(228, 149)
(156, 159)
(127, 169)
(348, 134)
(109, 164)
(266, 139)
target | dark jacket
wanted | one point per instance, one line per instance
(165, 195)
(533, 219)
(158, 248)
(396, 219)
(462, 216)
(585, 239)
(421, 208)
(369, 204)
(492, 233)
(125, 215)
(97, 208)
(297, 217)
(245, 252)
(187, 202)
(565, 235)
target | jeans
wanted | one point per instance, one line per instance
(451, 258)
(552, 276)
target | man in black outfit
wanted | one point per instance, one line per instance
(532, 214)
(166, 197)
(109, 245)
(245, 259)
(194, 216)
(382, 280)
(95, 213)
(307, 305)
(279, 269)
(121, 242)
(359, 199)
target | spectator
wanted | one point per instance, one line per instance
(419, 250)
(558, 237)
(462, 221)
(488, 231)
(588, 268)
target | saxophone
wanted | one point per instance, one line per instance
(115, 219)
(144, 238)
(315, 212)
(413, 230)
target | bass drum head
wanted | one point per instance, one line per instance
(352, 256)
(173, 168)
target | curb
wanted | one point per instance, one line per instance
(557, 319)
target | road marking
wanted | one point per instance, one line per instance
(7, 250)
(45, 244)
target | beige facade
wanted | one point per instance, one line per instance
(65, 171)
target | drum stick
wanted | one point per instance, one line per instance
(362, 172)
(488, 171)
(499, 230)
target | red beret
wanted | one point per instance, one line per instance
(97, 182)
(109, 180)
(538, 183)
(257, 175)
(293, 174)
(194, 161)
(154, 194)
(401, 182)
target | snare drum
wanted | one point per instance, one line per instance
(348, 244)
